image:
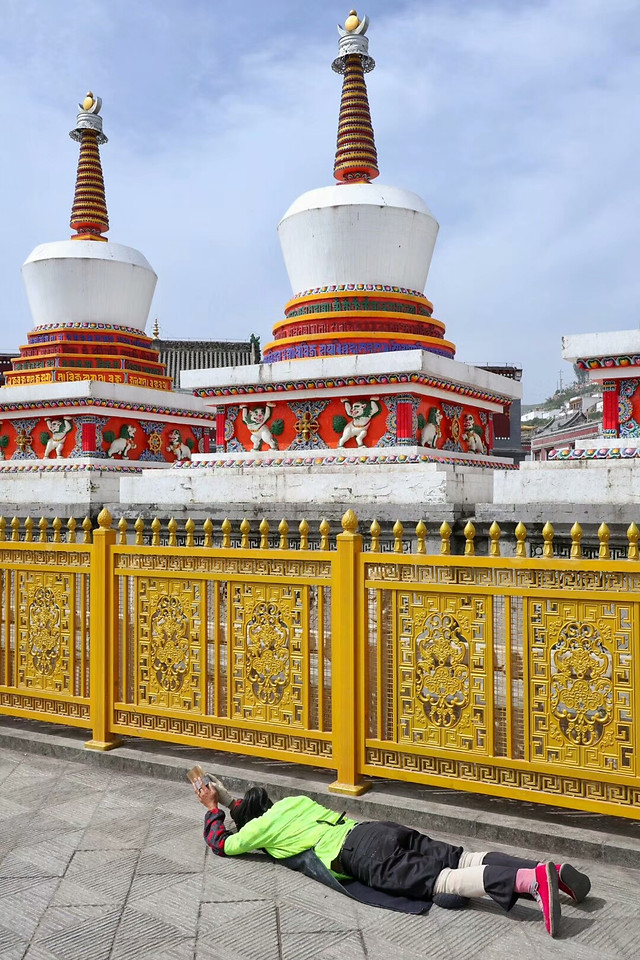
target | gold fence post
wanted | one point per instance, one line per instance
(345, 673)
(102, 623)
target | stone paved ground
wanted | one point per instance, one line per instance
(96, 864)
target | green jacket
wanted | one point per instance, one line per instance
(291, 826)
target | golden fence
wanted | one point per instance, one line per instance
(509, 676)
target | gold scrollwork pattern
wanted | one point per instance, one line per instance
(223, 567)
(505, 781)
(49, 556)
(268, 657)
(424, 571)
(44, 621)
(75, 711)
(168, 643)
(442, 667)
(269, 624)
(442, 673)
(284, 745)
(581, 689)
(582, 683)
(44, 629)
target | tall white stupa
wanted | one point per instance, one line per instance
(358, 398)
(88, 398)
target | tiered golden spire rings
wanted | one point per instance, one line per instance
(356, 156)
(89, 217)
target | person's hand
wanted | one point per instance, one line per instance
(206, 794)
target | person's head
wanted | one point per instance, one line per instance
(255, 802)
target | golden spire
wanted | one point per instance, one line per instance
(89, 217)
(156, 330)
(356, 157)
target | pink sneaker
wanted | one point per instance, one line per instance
(545, 891)
(575, 884)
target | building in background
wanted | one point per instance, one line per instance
(5, 364)
(507, 434)
(179, 355)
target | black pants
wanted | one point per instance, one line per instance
(401, 861)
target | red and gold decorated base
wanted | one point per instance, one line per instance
(353, 319)
(89, 433)
(322, 416)
(70, 352)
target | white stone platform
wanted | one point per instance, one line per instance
(80, 484)
(354, 481)
(593, 481)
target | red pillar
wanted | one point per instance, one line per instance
(404, 422)
(610, 411)
(221, 417)
(88, 438)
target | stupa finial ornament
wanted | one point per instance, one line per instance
(356, 157)
(353, 40)
(89, 217)
(89, 119)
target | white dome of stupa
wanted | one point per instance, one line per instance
(358, 233)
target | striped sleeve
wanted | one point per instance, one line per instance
(215, 833)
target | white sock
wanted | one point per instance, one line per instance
(466, 882)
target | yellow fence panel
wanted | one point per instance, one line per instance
(228, 648)
(44, 628)
(505, 676)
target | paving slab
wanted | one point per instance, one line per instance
(120, 871)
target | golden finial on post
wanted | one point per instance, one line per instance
(576, 537)
(245, 527)
(264, 534)
(57, 527)
(156, 527)
(87, 528)
(350, 522)
(71, 527)
(604, 533)
(139, 529)
(172, 526)
(303, 529)
(632, 536)
(207, 528)
(494, 536)
(421, 536)
(283, 530)
(375, 530)
(122, 527)
(547, 535)
(470, 533)
(521, 537)
(189, 529)
(226, 534)
(445, 539)
(398, 531)
(104, 519)
(43, 524)
(324, 534)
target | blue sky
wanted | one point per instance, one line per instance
(517, 122)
